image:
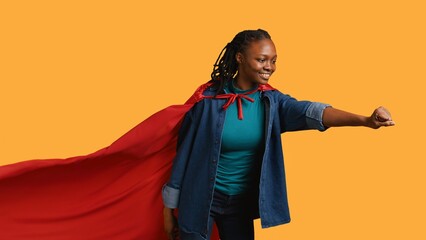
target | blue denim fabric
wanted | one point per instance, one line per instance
(191, 184)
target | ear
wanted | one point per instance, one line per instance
(239, 57)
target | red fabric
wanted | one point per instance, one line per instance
(113, 193)
(234, 96)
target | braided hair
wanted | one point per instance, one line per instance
(226, 66)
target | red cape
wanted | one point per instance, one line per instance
(113, 193)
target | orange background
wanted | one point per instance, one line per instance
(76, 75)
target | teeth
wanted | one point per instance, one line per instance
(265, 75)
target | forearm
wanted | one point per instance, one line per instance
(333, 117)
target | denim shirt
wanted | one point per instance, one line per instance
(191, 184)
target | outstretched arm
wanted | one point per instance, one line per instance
(333, 117)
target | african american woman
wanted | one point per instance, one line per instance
(229, 166)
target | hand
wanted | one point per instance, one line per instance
(380, 117)
(170, 224)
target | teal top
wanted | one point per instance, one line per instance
(242, 144)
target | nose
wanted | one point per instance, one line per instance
(267, 66)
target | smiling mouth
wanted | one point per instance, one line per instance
(265, 76)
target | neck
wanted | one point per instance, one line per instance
(243, 84)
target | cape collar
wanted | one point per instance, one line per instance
(232, 97)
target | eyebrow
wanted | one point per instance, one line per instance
(275, 56)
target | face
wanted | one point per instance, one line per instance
(256, 64)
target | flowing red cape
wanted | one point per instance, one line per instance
(113, 193)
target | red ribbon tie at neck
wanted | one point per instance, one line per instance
(235, 96)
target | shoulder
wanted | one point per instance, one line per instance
(210, 91)
(199, 93)
(276, 94)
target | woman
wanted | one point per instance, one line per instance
(229, 164)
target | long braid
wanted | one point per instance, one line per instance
(226, 66)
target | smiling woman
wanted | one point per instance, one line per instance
(229, 170)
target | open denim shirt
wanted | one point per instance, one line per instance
(191, 185)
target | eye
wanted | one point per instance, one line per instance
(261, 60)
(274, 61)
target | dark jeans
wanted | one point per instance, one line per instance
(232, 215)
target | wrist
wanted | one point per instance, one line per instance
(366, 121)
(167, 210)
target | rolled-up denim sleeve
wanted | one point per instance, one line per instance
(314, 115)
(298, 115)
(170, 196)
